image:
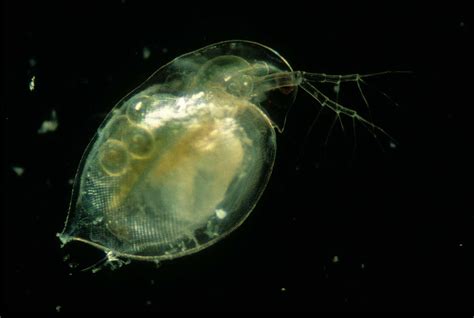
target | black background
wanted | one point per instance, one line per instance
(398, 220)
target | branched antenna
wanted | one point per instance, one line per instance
(325, 101)
(306, 78)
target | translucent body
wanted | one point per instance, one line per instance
(182, 160)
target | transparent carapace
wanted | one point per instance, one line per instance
(181, 161)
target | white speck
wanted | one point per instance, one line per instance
(181, 103)
(196, 96)
(32, 83)
(221, 214)
(32, 62)
(97, 220)
(148, 302)
(70, 181)
(49, 125)
(152, 282)
(18, 170)
(283, 289)
(58, 308)
(393, 145)
(335, 259)
(146, 53)
(164, 50)
(461, 24)
(337, 88)
(138, 106)
(460, 245)
(362, 265)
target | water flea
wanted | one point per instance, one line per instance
(181, 161)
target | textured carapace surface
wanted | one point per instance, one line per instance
(182, 160)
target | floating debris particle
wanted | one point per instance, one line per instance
(146, 53)
(393, 145)
(32, 83)
(18, 170)
(58, 308)
(71, 181)
(335, 259)
(362, 265)
(164, 50)
(283, 289)
(49, 125)
(148, 302)
(32, 62)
